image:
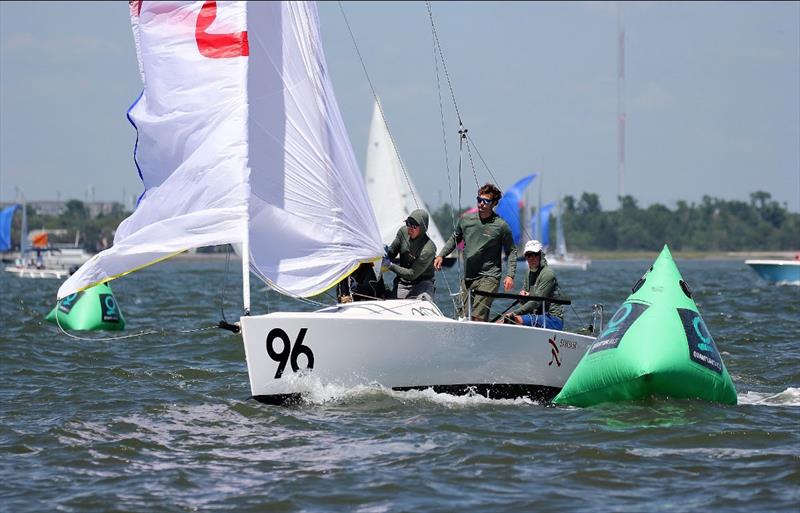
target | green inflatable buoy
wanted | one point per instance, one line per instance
(92, 309)
(656, 344)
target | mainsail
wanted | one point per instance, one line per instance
(240, 140)
(389, 186)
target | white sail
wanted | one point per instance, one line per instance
(561, 242)
(240, 136)
(391, 191)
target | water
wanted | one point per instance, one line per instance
(163, 422)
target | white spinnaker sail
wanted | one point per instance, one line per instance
(391, 191)
(238, 129)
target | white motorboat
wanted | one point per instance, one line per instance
(777, 271)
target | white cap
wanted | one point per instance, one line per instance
(532, 246)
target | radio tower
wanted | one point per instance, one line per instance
(620, 105)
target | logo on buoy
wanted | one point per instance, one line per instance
(109, 308)
(66, 304)
(702, 349)
(623, 318)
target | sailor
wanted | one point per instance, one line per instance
(540, 281)
(485, 236)
(414, 269)
(363, 284)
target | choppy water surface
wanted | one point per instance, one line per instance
(163, 422)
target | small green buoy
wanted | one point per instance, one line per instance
(92, 309)
(656, 344)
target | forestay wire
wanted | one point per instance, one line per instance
(378, 103)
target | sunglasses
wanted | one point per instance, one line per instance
(483, 201)
(412, 225)
(531, 255)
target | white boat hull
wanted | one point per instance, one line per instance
(32, 272)
(404, 345)
(568, 263)
(778, 271)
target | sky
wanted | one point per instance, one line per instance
(711, 96)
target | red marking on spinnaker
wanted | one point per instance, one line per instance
(218, 46)
(135, 6)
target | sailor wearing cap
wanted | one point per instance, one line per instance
(540, 281)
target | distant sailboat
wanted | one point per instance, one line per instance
(30, 263)
(391, 190)
(560, 258)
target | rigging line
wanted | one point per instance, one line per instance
(582, 320)
(472, 163)
(450, 291)
(453, 207)
(380, 107)
(472, 142)
(438, 46)
(444, 137)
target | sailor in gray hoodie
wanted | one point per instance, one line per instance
(414, 268)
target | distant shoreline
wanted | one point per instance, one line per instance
(692, 255)
(600, 255)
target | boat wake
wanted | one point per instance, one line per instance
(789, 397)
(316, 393)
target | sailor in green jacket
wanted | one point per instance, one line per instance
(414, 270)
(486, 235)
(540, 281)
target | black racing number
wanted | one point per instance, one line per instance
(288, 351)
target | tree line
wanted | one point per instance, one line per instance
(713, 224)
(93, 233)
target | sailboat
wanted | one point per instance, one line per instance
(251, 149)
(31, 262)
(561, 258)
(390, 189)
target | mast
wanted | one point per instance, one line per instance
(539, 221)
(246, 269)
(23, 232)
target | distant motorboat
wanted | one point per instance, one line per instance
(777, 271)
